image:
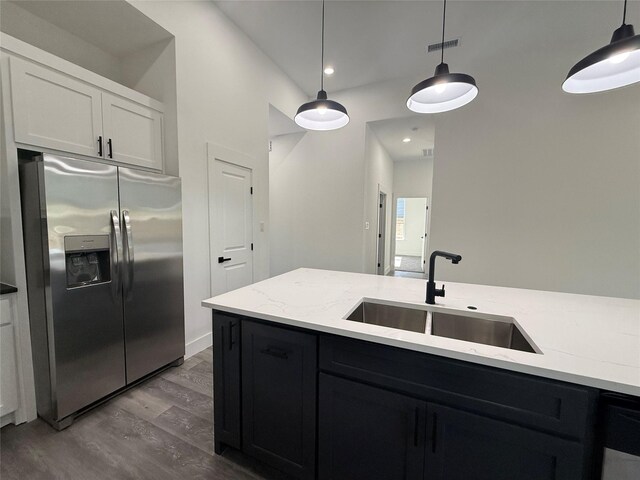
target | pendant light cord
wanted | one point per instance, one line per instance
(624, 13)
(322, 52)
(444, 13)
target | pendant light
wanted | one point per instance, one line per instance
(613, 66)
(444, 91)
(321, 113)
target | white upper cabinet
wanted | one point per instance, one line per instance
(57, 111)
(53, 110)
(132, 131)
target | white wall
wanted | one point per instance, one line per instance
(413, 178)
(24, 25)
(534, 187)
(224, 87)
(414, 229)
(378, 177)
(152, 71)
(321, 183)
(282, 211)
(537, 188)
(316, 218)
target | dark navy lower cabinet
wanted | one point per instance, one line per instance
(465, 446)
(226, 381)
(333, 408)
(369, 433)
(279, 392)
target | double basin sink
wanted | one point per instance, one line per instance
(477, 328)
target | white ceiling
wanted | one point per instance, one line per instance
(372, 41)
(115, 26)
(419, 128)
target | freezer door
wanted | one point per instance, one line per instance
(151, 216)
(79, 213)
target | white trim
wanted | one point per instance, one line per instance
(7, 419)
(198, 345)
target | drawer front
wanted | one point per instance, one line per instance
(526, 400)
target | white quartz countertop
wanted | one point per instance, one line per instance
(583, 339)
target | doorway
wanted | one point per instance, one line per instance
(411, 242)
(230, 225)
(382, 230)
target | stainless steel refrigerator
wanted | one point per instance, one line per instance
(103, 248)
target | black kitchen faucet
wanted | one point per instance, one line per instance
(432, 291)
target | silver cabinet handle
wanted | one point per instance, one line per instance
(127, 245)
(115, 260)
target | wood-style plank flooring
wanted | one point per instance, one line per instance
(160, 429)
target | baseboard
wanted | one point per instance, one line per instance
(7, 419)
(197, 345)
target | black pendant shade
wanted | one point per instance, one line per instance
(444, 91)
(322, 113)
(612, 66)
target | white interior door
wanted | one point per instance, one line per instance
(230, 226)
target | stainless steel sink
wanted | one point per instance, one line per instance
(499, 333)
(478, 328)
(410, 319)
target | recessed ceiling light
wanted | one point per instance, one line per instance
(329, 71)
(406, 140)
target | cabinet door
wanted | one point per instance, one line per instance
(53, 110)
(133, 132)
(279, 397)
(226, 381)
(8, 379)
(366, 432)
(463, 446)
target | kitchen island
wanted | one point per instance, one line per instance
(294, 377)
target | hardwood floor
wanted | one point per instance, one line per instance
(160, 429)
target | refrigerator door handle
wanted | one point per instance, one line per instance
(128, 253)
(115, 261)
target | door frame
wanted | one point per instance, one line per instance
(427, 226)
(381, 230)
(238, 159)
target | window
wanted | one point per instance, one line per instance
(400, 207)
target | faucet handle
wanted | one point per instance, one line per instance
(440, 291)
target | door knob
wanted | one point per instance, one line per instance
(222, 259)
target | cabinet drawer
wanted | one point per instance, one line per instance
(526, 400)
